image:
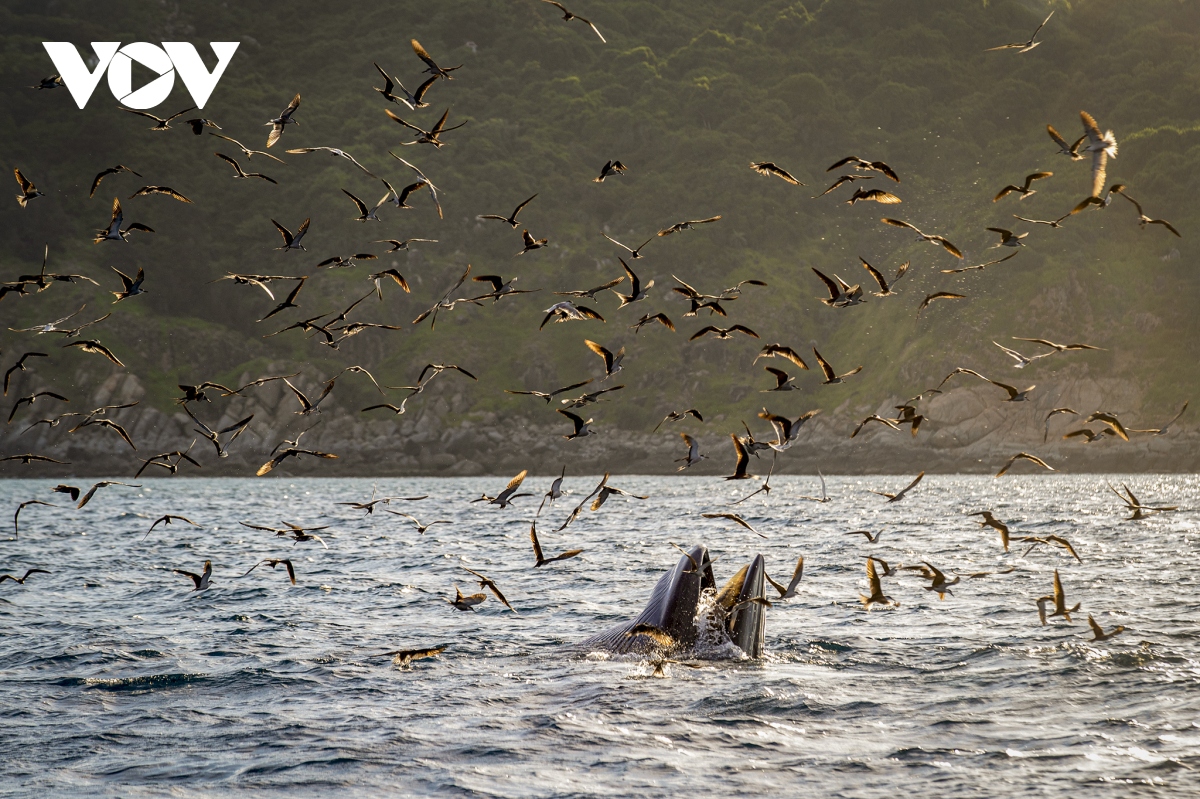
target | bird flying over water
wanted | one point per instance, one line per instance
(1024, 456)
(539, 558)
(899, 495)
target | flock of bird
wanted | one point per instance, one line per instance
(1093, 145)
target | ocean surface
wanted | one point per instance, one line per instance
(116, 678)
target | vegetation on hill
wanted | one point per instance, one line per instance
(686, 94)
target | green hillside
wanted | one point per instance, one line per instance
(686, 94)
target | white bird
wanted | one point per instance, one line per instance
(693, 455)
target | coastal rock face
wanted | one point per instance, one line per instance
(968, 428)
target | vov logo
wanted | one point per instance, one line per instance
(118, 61)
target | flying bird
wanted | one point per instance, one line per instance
(939, 295)
(166, 520)
(871, 539)
(539, 558)
(1098, 633)
(291, 242)
(505, 497)
(873, 195)
(786, 430)
(1021, 360)
(20, 366)
(875, 585)
(413, 100)
(1059, 598)
(841, 293)
(21, 580)
(610, 168)
(581, 427)
(612, 362)
(432, 67)
(885, 289)
(32, 398)
(511, 219)
(1024, 456)
(247, 152)
(637, 291)
(273, 562)
(102, 484)
(797, 576)
(29, 458)
(201, 581)
(548, 395)
(146, 191)
(115, 170)
(1069, 150)
(1054, 223)
(743, 460)
(633, 254)
(430, 136)
(238, 172)
(290, 452)
(875, 418)
(365, 214)
(159, 122)
(1023, 189)
(1158, 431)
(899, 495)
(1008, 238)
(722, 333)
(832, 377)
(52, 82)
(1144, 220)
(114, 231)
(780, 351)
(768, 169)
(22, 506)
(844, 179)
(646, 319)
(130, 286)
(941, 241)
(403, 658)
(681, 226)
(693, 455)
(568, 16)
(282, 121)
(336, 153)
(531, 243)
(991, 521)
(489, 584)
(421, 528)
(854, 162)
(736, 519)
(198, 125)
(1102, 146)
(1024, 47)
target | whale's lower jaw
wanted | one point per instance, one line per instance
(672, 610)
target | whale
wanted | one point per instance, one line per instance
(669, 618)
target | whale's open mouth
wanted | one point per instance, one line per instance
(687, 614)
